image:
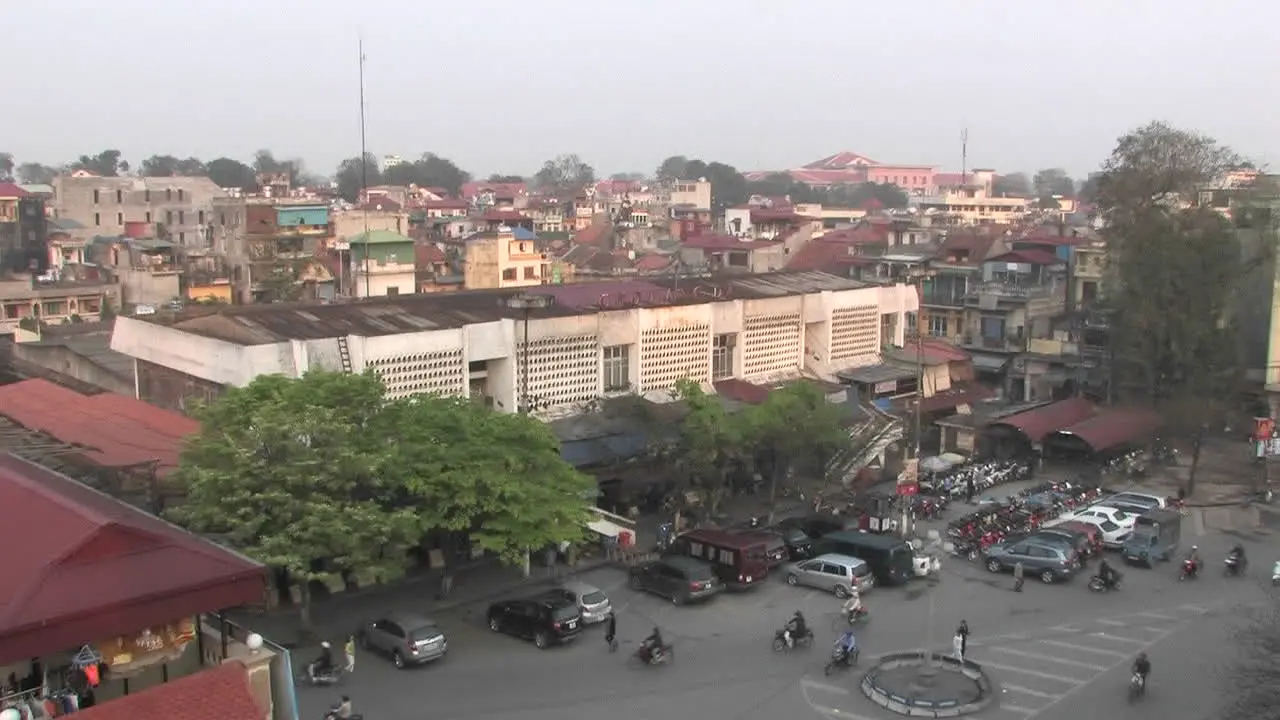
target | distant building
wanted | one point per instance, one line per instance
(180, 208)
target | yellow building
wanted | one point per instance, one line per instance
(502, 260)
(972, 205)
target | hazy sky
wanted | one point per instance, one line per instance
(501, 85)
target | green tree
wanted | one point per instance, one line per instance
(170, 166)
(1014, 184)
(1053, 181)
(230, 173)
(795, 429)
(781, 185)
(675, 167)
(500, 178)
(710, 445)
(728, 187)
(627, 176)
(565, 173)
(36, 173)
(6, 167)
(264, 161)
(1176, 269)
(429, 170)
(353, 176)
(107, 163)
(875, 195)
(497, 476)
(286, 471)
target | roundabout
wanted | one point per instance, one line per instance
(927, 685)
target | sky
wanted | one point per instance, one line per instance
(502, 85)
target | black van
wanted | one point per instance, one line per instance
(891, 559)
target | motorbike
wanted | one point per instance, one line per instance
(840, 659)
(1137, 686)
(332, 713)
(780, 643)
(1096, 584)
(656, 656)
(1275, 574)
(859, 615)
(328, 678)
(1234, 566)
(1190, 570)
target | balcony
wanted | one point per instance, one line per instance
(374, 267)
(943, 297)
(1007, 343)
(1008, 291)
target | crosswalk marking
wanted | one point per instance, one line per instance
(1028, 691)
(1119, 638)
(1112, 623)
(1049, 658)
(1084, 648)
(1018, 709)
(1157, 616)
(1064, 679)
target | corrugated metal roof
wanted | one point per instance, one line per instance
(1040, 422)
(1115, 428)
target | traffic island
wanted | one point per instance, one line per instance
(906, 684)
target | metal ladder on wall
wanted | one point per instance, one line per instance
(344, 353)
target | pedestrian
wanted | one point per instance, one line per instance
(962, 632)
(350, 651)
(1017, 576)
(611, 631)
(969, 490)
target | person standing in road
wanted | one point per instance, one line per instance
(350, 651)
(968, 490)
(1017, 576)
(962, 632)
(611, 631)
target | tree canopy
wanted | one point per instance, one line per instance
(1053, 181)
(6, 167)
(1014, 184)
(324, 476)
(107, 163)
(429, 170)
(231, 173)
(729, 187)
(170, 166)
(565, 173)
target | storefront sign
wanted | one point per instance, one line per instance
(886, 387)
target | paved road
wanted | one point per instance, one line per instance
(1058, 652)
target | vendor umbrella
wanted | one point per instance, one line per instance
(934, 464)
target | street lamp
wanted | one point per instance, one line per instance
(528, 303)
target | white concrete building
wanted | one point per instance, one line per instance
(594, 340)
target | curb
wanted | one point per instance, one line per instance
(912, 707)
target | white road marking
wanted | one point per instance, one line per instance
(1084, 648)
(1064, 679)
(824, 687)
(1195, 609)
(1113, 623)
(1094, 667)
(1157, 616)
(1018, 709)
(1120, 638)
(1028, 691)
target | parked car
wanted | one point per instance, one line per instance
(832, 572)
(819, 524)
(740, 561)
(799, 545)
(1090, 530)
(1046, 559)
(1122, 517)
(591, 601)
(1140, 499)
(679, 579)
(546, 619)
(1113, 535)
(406, 638)
(775, 547)
(1075, 539)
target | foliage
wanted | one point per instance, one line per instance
(283, 283)
(674, 168)
(1053, 181)
(107, 163)
(429, 170)
(230, 173)
(265, 162)
(1014, 184)
(170, 166)
(1048, 202)
(711, 441)
(354, 174)
(565, 173)
(1249, 680)
(627, 177)
(464, 467)
(730, 188)
(6, 167)
(1175, 269)
(793, 428)
(36, 173)
(286, 471)
(500, 178)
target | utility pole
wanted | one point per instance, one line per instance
(364, 170)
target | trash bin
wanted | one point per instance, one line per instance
(626, 539)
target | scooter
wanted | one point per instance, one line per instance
(1137, 686)
(1190, 570)
(332, 713)
(860, 615)
(1097, 584)
(840, 658)
(1275, 574)
(656, 656)
(1235, 566)
(782, 643)
(322, 679)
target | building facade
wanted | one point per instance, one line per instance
(382, 263)
(505, 258)
(181, 208)
(594, 340)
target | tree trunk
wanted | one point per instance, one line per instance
(304, 605)
(1197, 444)
(524, 566)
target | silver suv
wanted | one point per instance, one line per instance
(1050, 561)
(406, 638)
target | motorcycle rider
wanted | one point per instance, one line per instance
(847, 643)
(1193, 560)
(341, 711)
(1107, 575)
(652, 645)
(796, 628)
(1236, 556)
(853, 606)
(1142, 667)
(323, 665)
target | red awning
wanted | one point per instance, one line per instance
(219, 693)
(82, 567)
(1114, 428)
(1040, 422)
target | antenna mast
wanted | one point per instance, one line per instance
(364, 169)
(964, 156)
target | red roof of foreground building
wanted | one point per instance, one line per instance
(9, 190)
(91, 567)
(1040, 422)
(1115, 428)
(112, 430)
(219, 693)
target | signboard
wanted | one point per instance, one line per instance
(1265, 437)
(908, 481)
(887, 386)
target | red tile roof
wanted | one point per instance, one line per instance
(725, 242)
(593, 234)
(1030, 257)
(946, 180)
(112, 430)
(384, 204)
(508, 190)
(833, 249)
(1036, 424)
(776, 214)
(446, 204)
(618, 187)
(1115, 428)
(503, 215)
(841, 161)
(93, 567)
(742, 391)
(426, 254)
(9, 190)
(219, 693)
(938, 351)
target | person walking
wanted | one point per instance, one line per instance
(962, 632)
(611, 631)
(350, 651)
(1017, 576)
(969, 490)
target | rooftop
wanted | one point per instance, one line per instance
(11, 190)
(218, 693)
(379, 237)
(267, 324)
(726, 242)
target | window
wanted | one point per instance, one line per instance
(56, 307)
(180, 194)
(148, 216)
(168, 217)
(938, 325)
(509, 274)
(182, 238)
(222, 218)
(617, 368)
(97, 196)
(726, 557)
(146, 196)
(393, 290)
(913, 326)
(530, 273)
(120, 219)
(168, 193)
(182, 217)
(200, 217)
(722, 357)
(97, 219)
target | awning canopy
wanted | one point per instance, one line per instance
(219, 693)
(608, 529)
(1112, 429)
(989, 363)
(84, 567)
(872, 374)
(1038, 423)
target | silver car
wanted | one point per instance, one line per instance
(406, 638)
(832, 572)
(591, 601)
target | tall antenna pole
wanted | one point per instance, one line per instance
(364, 171)
(964, 156)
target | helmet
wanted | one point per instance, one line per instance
(325, 645)
(1142, 656)
(346, 699)
(1195, 548)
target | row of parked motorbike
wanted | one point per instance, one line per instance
(1019, 514)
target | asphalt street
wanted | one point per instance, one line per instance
(1057, 651)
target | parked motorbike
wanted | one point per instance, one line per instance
(780, 643)
(316, 678)
(1234, 566)
(1190, 570)
(840, 659)
(1097, 584)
